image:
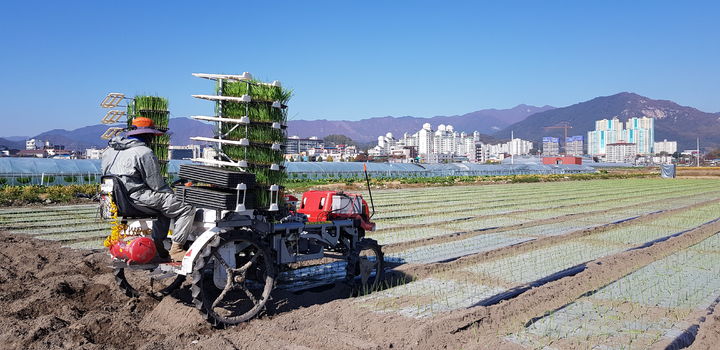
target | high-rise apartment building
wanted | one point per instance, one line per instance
(551, 146)
(297, 145)
(606, 131)
(518, 146)
(574, 146)
(639, 131)
(621, 152)
(666, 146)
(425, 139)
(446, 144)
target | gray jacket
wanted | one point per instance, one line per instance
(135, 164)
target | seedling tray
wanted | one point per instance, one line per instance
(225, 178)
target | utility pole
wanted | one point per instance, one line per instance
(512, 154)
(698, 151)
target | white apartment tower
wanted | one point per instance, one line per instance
(606, 131)
(639, 131)
(445, 144)
(425, 140)
(666, 146)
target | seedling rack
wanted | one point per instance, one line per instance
(250, 121)
(153, 107)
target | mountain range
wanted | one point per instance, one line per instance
(672, 122)
(181, 130)
(486, 121)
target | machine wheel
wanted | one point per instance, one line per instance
(366, 267)
(248, 281)
(123, 283)
(137, 276)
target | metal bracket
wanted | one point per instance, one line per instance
(112, 116)
(112, 100)
(274, 197)
(240, 206)
(111, 132)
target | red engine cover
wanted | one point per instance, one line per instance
(318, 206)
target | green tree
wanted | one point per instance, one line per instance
(337, 139)
(714, 154)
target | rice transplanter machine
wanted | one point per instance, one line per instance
(246, 232)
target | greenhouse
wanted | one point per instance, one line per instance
(45, 171)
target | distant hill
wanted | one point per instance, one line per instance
(16, 138)
(181, 130)
(485, 121)
(672, 121)
(12, 144)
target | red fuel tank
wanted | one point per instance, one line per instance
(139, 250)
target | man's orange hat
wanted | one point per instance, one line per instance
(143, 125)
(142, 122)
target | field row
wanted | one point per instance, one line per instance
(587, 214)
(654, 305)
(479, 206)
(470, 239)
(472, 197)
(474, 283)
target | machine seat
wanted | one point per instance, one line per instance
(125, 205)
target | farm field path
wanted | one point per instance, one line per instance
(503, 266)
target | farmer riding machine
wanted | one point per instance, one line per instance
(247, 233)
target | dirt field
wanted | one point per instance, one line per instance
(704, 172)
(53, 297)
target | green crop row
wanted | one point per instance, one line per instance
(450, 180)
(19, 195)
(302, 182)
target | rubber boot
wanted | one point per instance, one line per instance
(177, 253)
(162, 253)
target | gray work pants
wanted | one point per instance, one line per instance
(170, 208)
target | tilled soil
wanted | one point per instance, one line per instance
(53, 297)
(60, 298)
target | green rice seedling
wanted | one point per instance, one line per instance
(261, 112)
(262, 197)
(155, 108)
(264, 155)
(257, 111)
(263, 175)
(265, 134)
(255, 154)
(261, 109)
(256, 133)
(258, 91)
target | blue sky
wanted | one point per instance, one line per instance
(353, 59)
